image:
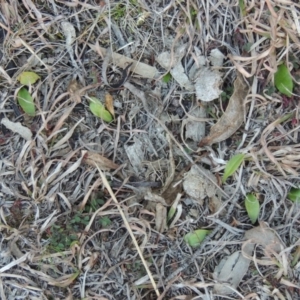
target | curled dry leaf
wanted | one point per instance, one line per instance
(102, 162)
(233, 117)
(109, 103)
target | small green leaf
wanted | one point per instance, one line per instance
(26, 102)
(232, 165)
(167, 78)
(252, 207)
(294, 195)
(173, 209)
(98, 109)
(105, 221)
(242, 7)
(195, 238)
(28, 78)
(283, 80)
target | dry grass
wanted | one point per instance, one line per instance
(64, 233)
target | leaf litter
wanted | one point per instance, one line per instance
(128, 238)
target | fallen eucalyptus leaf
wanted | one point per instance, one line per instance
(233, 117)
(195, 238)
(232, 165)
(28, 78)
(26, 102)
(252, 207)
(230, 272)
(102, 162)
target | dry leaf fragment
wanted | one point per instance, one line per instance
(216, 57)
(70, 34)
(174, 64)
(136, 154)
(230, 272)
(233, 117)
(207, 84)
(196, 130)
(23, 131)
(198, 186)
(109, 103)
(102, 162)
(75, 90)
(265, 236)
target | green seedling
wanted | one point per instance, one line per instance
(283, 80)
(26, 101)
(195, 238)
(98, 109)
(252, 207)
(167, 78)
(232, 165)
(294, 195)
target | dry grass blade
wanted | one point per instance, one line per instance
(106, 184)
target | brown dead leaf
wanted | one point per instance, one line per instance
(102, 162)
(214, 204)
(233, 117)
(170, 194)
(109, 103)
(199, 186)
(265, 236)
(74, 90)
